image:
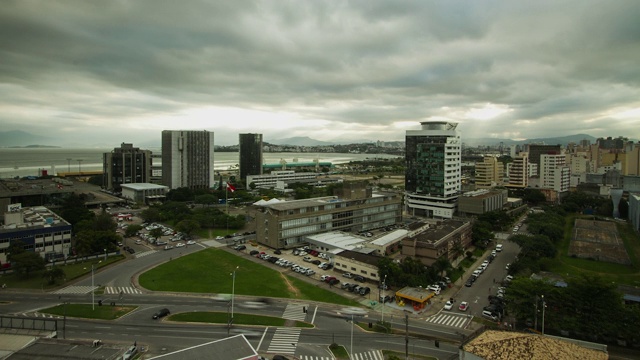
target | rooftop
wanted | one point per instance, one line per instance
(493, 344)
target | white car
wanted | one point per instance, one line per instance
(448, 305)
(434, 288)
(179, 245)
(191, 242)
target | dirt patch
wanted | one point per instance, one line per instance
(598, 240)
(290, 286)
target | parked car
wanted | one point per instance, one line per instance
(385, 298)
(359, 278)
(468, 283)
(348, 275)
(168, 247)
(333, 281)
(278, 252)
(306, 259)
(434, 288)
(254, 252)
(161, 313)
(489, 315)
(239, 247)
(182, 245)
(463, 306)
(316, 262)
(191, 242)
(364, 290)
(448, 305)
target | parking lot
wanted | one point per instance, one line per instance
(306, 264)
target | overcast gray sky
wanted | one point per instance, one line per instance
(113, 71)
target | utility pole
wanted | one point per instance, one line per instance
(535, 316)
(406, 337)
(79, 165)
(69, 164)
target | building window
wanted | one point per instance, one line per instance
(353, 269)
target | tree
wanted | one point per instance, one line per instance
(132, 230)
(53, 274)
(156, 233)
(151, 214)
(24, 264)
(206, 199)
(16, 248)
(187, 226)
(533, 196)
(74, 210)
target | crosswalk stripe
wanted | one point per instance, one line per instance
(285, 340)
(139, 255)
(446, 319)
(294, 312)
(73, 289)
(115, 290)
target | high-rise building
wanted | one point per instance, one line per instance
(554, 172)
(489, 173)
(126, 165)
(187, 159)
(433, 169)
(250, 148)
(535, 150)
(518, 171)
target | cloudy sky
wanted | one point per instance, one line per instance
(113, 71)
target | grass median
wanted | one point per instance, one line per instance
(88, 311)
(238, 319)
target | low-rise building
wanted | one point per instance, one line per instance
(144, 193)
(482, 201)
(39, 229)
(354, 208)
(449, 238)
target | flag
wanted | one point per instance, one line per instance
(230, 187)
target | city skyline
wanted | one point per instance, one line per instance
(342, 72)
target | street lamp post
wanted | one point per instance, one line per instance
(93, 293)
(351, 346)
(233, 291)
(384, 283)
(105, 254)
(544, 305)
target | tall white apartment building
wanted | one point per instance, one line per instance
(187, 159)
(433, 171)
(554, 172)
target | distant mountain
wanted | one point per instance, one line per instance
(562, 140)
(21, 138)
(301, 141)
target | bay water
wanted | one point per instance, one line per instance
(29, 161)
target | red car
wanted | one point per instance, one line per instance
(463, 306)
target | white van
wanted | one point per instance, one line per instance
(499, 247)
(488, 315)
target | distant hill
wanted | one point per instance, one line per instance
(301, 141)
(23, 139)
(562, 140)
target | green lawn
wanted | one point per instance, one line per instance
(210, 271)
(89, 311)
(621, 274)
(71, 270)
(238, 319)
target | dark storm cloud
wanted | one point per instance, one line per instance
(340, 69)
